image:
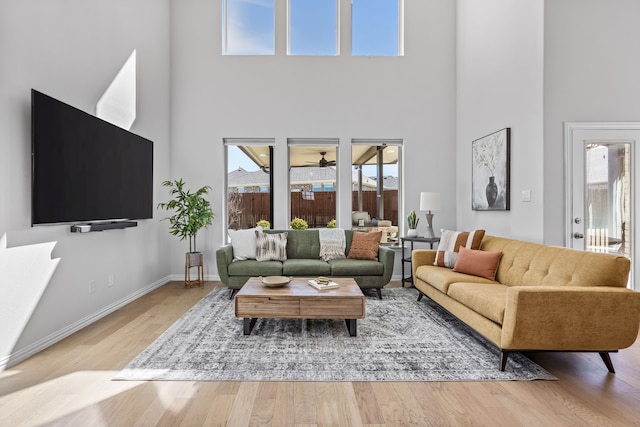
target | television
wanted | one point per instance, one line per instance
(85, 169)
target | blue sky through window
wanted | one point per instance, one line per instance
(249, 26)
(312, 27)
(250, 29)
(374, 27)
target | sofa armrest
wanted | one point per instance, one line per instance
(422, 257)
(224, 257)
(386, 257)
(570, 318)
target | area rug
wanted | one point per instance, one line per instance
(400, 339)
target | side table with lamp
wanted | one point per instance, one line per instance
(429, 201)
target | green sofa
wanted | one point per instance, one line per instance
(303, 260)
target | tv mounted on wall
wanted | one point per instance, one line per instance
(85, 169)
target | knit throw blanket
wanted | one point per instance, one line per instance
(332, 243)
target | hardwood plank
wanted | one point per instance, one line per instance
(70, 384)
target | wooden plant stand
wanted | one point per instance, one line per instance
(194, 259)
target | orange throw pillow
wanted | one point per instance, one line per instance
(478, 263)
(365, 246)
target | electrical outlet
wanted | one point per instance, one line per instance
(526, 195)
(111, 281)
(92, 287)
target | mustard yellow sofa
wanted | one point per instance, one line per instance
(544, 298)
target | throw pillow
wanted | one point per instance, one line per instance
(365, 246)
(332, 243)
(478, 263)
(271, 247)
(243, 243)
(450, 243)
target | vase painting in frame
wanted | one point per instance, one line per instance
(490, 172)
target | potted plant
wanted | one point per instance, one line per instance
(413, 221)
(331, 224)
(299, 224)
(191, 213)
(264, 224)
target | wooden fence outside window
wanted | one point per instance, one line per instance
(249, 208)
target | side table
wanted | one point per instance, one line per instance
(412, 240)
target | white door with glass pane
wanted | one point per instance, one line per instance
(601, 160)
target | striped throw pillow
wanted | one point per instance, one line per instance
(271, 247)
(450, 243)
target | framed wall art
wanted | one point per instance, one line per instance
(490, 187)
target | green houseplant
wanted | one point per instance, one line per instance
(413, 221)
(264, 224)
(299, 224)
(191, 212)
(331, 224)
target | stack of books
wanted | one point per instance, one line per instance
(322, 283)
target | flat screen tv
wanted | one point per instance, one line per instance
(85, 169)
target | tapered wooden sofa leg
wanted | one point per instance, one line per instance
(379, 292)
(504, 355)
(606, 358)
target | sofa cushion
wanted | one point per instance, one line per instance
(303, 244)
(440, 277)
(531, 264)
(487, 299)
(356, 267)
(243, 243)
(450, 243)
(305, 267)
(271, 247)
(478, 263)
(365, 246)
(251, 267)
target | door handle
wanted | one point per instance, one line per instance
(578, 236)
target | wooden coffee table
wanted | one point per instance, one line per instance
(298, 300)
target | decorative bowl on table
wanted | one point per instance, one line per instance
(275, 281)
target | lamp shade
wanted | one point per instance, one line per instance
(429, 201)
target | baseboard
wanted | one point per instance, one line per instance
(53, 338)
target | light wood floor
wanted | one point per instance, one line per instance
(70, 384)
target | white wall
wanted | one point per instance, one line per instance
(410, 97)
(72, 50)
(499, 84)
(592, 69)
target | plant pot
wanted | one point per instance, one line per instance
(194, 259)
(412, 232)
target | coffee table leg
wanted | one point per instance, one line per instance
(352, 326)
(248, 325)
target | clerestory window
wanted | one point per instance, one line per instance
(376, 28)
(248, 27)
(313, 27)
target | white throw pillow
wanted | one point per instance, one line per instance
(244, 243)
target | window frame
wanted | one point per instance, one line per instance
(249, 142)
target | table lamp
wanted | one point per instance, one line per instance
(429, 201)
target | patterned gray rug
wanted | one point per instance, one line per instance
(401, 339)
